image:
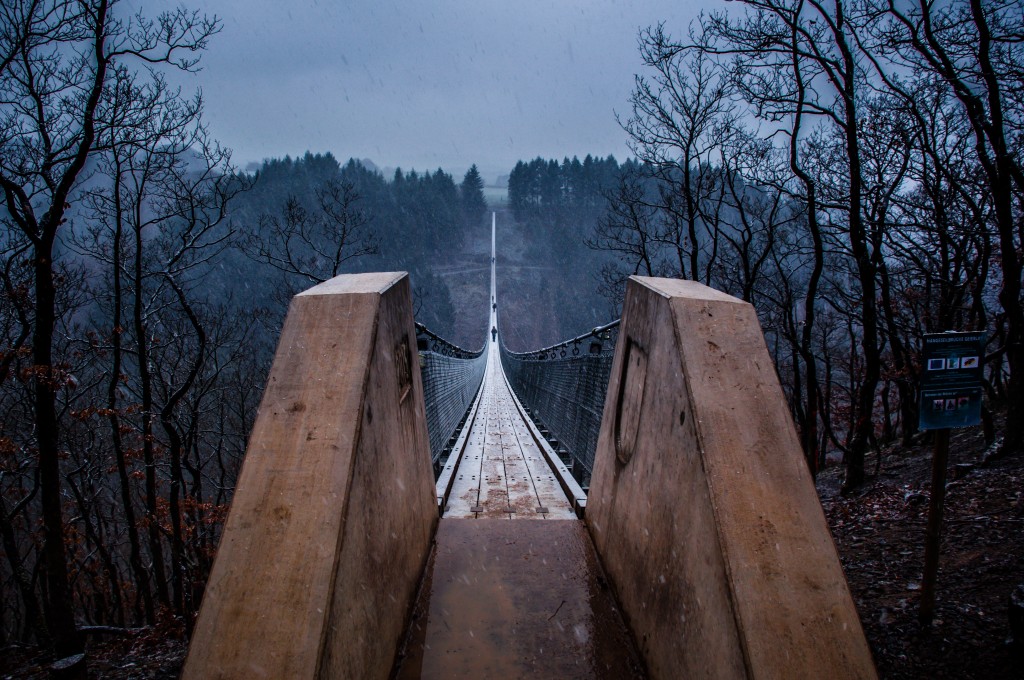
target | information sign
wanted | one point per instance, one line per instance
(951, 380)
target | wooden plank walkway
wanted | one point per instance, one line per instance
(503, 473)
(516, 600)
(512, 599)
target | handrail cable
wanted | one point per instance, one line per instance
(451, 378)
(563, 389)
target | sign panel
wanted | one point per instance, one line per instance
(951, 380)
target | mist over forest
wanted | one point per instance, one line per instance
(854, 172)
(437, 228)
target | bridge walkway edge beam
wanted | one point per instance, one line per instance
(572, 489)
(701, 506)
(445, 479)
(334, 512)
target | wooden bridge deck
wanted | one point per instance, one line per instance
(502, 472)
(516, 600)
(506, 599)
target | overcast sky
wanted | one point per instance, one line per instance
(425, 84)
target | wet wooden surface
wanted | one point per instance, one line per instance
(512, 599)
(701, 506)
(503, 473)
(516, 600)
(319, 564)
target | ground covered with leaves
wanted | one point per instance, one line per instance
(880, 533)
(155, 653)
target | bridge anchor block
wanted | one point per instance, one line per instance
(701, 506)
(334, 512)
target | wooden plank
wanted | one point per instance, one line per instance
(534, 467)
(517, 600)
(444, 480)
(318, 565)
(505, 475)
(540, 449)
(701, 506)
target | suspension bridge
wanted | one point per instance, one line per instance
(628, 503)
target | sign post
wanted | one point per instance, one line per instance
(950, 397)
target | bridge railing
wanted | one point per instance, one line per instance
(563, 386)
(451, 377)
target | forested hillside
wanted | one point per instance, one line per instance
(860, 185)
(856, 173)
(172, 280)
(548, 276)
(307, 219)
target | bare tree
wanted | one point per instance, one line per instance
(314, 246)
(760, 212)
(61, 61)
(680, 118)
(975, 49)
(629, 226)
(823, 80)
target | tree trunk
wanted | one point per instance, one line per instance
(93, 537)
(33, 617)
(182, 602)
(60, 615)
(809, 434)
(864, 405)
(148, 440)
(135, 548)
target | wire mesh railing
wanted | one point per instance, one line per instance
(563, 387)
(451, 378)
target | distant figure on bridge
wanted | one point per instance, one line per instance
(494, 306)
(494, 333)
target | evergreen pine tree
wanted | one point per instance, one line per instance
(471, 192)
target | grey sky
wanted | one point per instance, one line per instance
(425, 84)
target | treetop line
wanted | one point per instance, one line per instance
(853, 171)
